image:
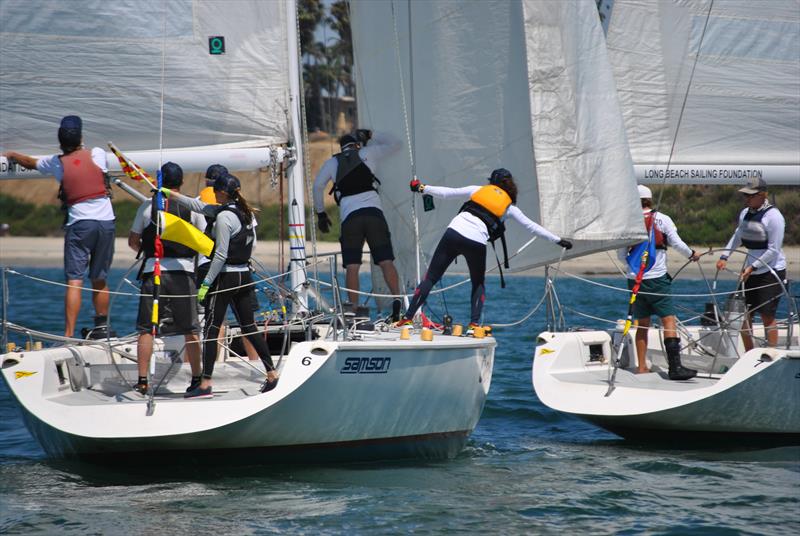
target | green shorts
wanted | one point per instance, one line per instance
(647, 305)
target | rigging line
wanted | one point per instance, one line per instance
(683, 104)
(163, 70)
(408, 129)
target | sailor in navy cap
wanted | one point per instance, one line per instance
(89, 222)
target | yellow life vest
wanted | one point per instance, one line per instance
(492, 198)
(207, 195)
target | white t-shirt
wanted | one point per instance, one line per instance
(471, 227)
(664, 224)
(99, 208)
(168, 264)
(379, 146)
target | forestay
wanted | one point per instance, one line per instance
(742, 114)
(524, 85)
(102, 60)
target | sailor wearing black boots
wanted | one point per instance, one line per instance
(654, 294)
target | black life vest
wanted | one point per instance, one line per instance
(173, 250)
(353, 176)
(754, 233)
(240, 245)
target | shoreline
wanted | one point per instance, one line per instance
(47, 252)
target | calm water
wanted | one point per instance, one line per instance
(526, 469)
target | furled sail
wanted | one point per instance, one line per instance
(739, 62)
(103, 61)
(524, 85)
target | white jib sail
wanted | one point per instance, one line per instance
(742, 114)
(102, 61)
(524, 85)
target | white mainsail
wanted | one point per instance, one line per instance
(524, 85)
(742, 114)
(103, 61)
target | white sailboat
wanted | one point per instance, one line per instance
(344, 392)
(710, 93)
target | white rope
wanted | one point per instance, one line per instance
(408, 131)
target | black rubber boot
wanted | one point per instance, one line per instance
(676, 370)
(100, 329)
(396, 305)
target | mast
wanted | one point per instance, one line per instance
(297, 255)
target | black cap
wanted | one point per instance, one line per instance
(214, 171)
(347, 139)
(69, 131)
(498, 175)
(227, 183)
(171, 175)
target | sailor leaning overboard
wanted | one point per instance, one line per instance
(761, 229)
(89, 225)
(177, 303)
(352, 172)
(228, 281)
(480, 220)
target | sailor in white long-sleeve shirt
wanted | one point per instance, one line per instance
(654, 295)
(478, 222)
(761, 229)
(355, 190)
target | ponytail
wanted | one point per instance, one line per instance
(508, 185)
(242, 204)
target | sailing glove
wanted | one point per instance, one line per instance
(416, 186)
(201, 292)
(363, 135)
(566, 244)
(323, 222)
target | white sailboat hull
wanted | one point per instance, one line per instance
(758, 394)
(354, 400)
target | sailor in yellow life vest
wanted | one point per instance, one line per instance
(479, 221)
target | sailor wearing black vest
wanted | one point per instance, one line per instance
(177, 304)
(228, 281)
(761, 229)
(355, 185)
(480, 220)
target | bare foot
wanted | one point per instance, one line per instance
(642, 371)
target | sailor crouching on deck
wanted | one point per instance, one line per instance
(177, 303)
(228, 281)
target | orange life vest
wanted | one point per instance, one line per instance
(83, 179)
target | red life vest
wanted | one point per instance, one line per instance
(661, 240)
(83, 179)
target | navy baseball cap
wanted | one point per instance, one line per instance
(227, 183)
(214, 171)
(71, 122)
(171, 175)
(498, 175)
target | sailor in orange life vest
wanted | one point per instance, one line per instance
(761, 228)
(654, 294)
(478, 221)
(228, 281)
(89, 226)
(177, 305)
(355, 189)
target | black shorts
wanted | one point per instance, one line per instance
(177, 316)
(764, 300)
(370, 225)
